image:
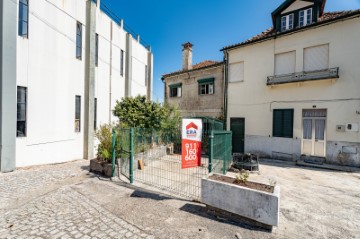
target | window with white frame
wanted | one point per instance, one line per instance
(287, 22)
(285, 63)
(236, 72)
(316, 58)
(175, 90)
(305, 17)
(206, 86)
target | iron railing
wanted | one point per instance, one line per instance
(331, 73)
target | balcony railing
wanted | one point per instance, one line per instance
(331, 73)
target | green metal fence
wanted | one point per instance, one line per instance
(220, 148)
(154, 158)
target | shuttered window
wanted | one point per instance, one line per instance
(283, 123)
(285, 63)
(236, 72)
(316, 58)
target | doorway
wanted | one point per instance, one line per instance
(314, 132)
(237, 126)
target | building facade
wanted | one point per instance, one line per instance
(70, 62)
(294, 89)
(196, 90)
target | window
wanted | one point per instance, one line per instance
(122, 63)
(21, 111)
(146, 75)
(96, 50)
(283, 123)
(95, 113)
(23, 18)
(305, 17)
(285, 63)
(206, 86)
(316, 58)
(236, 72)
(78, 40)
(175, 90)
(77, 113)
(287, 22)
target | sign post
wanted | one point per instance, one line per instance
(191, 143)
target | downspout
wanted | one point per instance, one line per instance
(226, 83)
(110, 75)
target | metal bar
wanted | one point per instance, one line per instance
(224, 155)
(113, 151)
(131, 158)
(211, 150)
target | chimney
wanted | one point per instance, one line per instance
(187, 56)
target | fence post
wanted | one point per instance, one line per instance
(113, 151)
(224, 153)
(211, 150)
(132, 153)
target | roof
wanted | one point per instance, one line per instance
(199, 66)
(327, 17)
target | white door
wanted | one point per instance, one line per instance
(314, 132)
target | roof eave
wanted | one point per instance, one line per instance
(354, 14)
(192, 70)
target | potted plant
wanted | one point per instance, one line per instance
(102, 163)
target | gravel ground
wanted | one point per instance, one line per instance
(65, 201)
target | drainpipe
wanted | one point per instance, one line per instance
(110, 75)
(226, 83)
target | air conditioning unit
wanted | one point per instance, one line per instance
(352, 127)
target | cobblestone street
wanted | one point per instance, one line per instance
(66, 201)
(39, 203)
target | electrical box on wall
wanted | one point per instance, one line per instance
(340, 128)
(352, 127)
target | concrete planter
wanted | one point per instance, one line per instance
(245, 202)
(101, 167)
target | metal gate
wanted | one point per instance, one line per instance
(154, 158)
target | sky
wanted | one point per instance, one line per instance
(208, 24)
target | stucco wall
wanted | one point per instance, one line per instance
(47, 66)
(255, 101)
(191, 103)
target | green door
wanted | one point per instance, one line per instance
(237, 126)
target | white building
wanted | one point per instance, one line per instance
(64, 63)
(295, 89)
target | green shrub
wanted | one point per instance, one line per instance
(104, 135)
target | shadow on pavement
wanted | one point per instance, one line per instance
(203, 211)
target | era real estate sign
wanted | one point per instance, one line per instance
(191, 142)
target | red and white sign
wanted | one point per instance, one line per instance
(191, 143)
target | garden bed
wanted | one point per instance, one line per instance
(243, 200)
(252, 185)
(101, 167)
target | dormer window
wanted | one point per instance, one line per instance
(305, 17)
(287, 22)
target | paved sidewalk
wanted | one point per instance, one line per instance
(66, 201)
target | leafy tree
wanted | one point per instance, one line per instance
(142, 113)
